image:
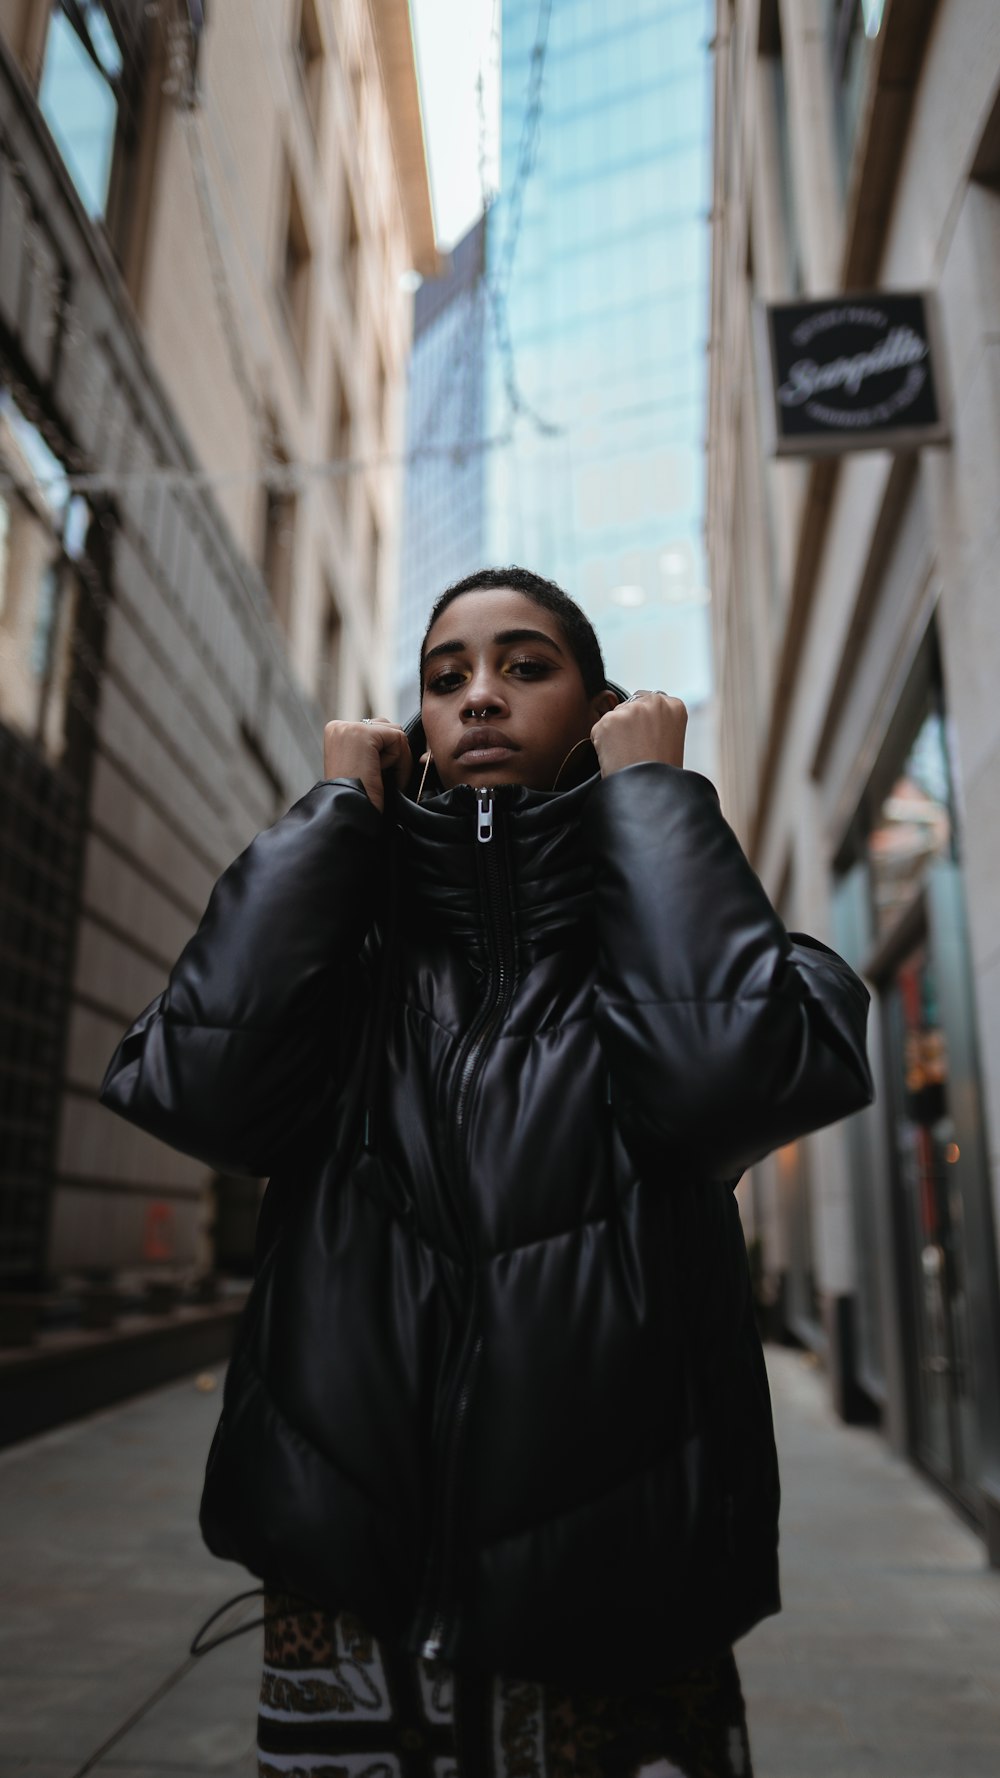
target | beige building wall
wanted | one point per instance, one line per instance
(833, 581)
(270, 297)
(234, 322)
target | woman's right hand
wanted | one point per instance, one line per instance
(367, 750)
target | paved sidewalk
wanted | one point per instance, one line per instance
(105, 1581)
(884, 1664)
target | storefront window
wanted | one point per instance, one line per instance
(932, 1215)
(918, 1159)
(913, 826)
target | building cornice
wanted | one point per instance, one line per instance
(397, 54)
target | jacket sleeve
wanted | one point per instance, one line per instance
(238, 1053)
(724, 1035)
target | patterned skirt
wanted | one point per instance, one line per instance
(337, 1703)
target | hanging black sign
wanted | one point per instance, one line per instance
(851, 373)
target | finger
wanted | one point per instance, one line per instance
(371, 778)
(394, 752)
(401, 763)
(388, 736)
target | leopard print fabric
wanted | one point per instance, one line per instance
(337, 1703)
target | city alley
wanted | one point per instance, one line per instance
(884, 1664)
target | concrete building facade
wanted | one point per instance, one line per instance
(857, 645)
(205, 217)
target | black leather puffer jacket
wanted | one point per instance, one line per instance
(498, 1388)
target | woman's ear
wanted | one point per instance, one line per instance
(604, 701)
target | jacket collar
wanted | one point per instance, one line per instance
(539, 832)
(540, 841)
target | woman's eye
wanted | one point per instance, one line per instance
(452, 677)
(444, 682)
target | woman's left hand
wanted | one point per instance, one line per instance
(651, 726)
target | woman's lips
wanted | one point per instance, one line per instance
(483, 746)
(485, 755)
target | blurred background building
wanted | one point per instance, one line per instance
(583, 344)
(444, 518)
(857, 648)
(205, 217)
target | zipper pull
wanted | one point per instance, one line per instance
(484, 820)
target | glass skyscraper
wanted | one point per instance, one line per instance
(443, 536)
(604, 302)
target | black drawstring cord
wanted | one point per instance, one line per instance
(199, 1648)
(377, 1032)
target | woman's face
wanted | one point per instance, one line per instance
(503, 699)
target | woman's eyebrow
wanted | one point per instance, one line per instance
(502, 637)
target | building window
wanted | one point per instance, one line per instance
(912, 826)
(43, 536)
(381, 394)
(309, 58)
(772, 57)
(852, 26)
(986, 162)
(340, 433)
(358, 97)
(278, 533)
(352, 247)
(374, 556)
(331, 663)
(295, 272)
(79, 95)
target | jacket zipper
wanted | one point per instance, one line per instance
(439, 1587)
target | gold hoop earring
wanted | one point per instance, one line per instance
(562, 768)
(427, 767)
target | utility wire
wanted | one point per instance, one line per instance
(292, 476)
(527, 150)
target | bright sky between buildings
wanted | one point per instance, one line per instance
(456, 41)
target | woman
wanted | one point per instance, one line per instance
(503, 1011)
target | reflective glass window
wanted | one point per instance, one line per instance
(913, 826)
(78, 96)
